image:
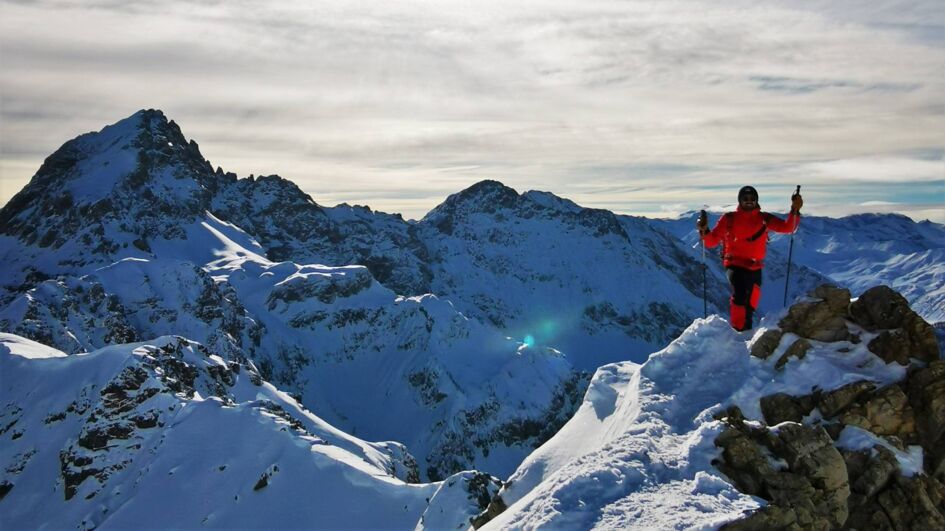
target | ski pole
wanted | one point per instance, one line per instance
(787, 278)
(703, 221)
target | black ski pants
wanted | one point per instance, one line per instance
(746, 290)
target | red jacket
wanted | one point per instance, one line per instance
(744, 237)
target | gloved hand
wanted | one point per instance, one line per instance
(702, 224)
(796, 202)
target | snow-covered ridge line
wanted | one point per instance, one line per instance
(668, 444)
(120, 435)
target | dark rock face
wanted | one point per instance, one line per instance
(403, 465)
(903, 334)
(637, 324)
(810, 490)
(926, 391)
(291, 226)
(125, 417)
(162, 190)
(887, 412)
(880, 308)
(767, 343)
(495, 507)
(109, 438)
(477, 488)
(870, 472)
(782, 407)
(822, 488)
(485, 196)
(80, 314)
(53, 303)
(797, 350)
(839, 400)
(888, 500)
(823, 320)
(818, 487)
(482, 488)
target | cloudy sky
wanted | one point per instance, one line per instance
(648, 108)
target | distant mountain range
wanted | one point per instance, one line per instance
(468, 337)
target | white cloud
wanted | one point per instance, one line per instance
(881, 169)
(406, 102)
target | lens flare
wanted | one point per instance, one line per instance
(529, 341)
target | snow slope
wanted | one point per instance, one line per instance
(163, 434)
(638, 453)
(459, 393)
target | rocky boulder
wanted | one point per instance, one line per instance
(870, 471)
(839, 400)
(823, 318)
(809, 487)
(764, 346)
(925, 388)
(798, 350)
(887, 412)
(827, 315)
(782, 407)
(884, 499)
(902, 333)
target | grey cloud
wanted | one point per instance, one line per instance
(803, 86)
(930, 34)
(921, 20)
(108, 58)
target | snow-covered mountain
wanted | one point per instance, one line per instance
(165, 434)
(598, 287)
(868, 249)
(91, 260)
(176, 306)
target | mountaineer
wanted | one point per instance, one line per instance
(744, 237)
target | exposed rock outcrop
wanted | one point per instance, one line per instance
(897, 333)
(903, 334)
(809, 480)
(821, 319)
(925, 388)
(806, 481)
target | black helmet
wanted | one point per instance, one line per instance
(747, 190)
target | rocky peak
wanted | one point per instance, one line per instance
(487, 195)
(491, 197)
(136, 172)
(278, 214)
(484, 197)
